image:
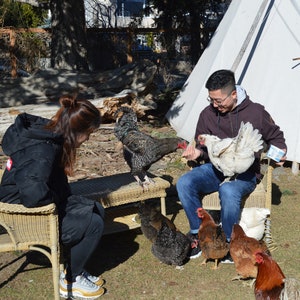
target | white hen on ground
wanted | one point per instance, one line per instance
(233, 156)
(253, 221)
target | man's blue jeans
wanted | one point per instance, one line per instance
(207, 179)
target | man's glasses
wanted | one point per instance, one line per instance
(217, 101)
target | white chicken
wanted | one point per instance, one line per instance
(253, 221)
(233, 156)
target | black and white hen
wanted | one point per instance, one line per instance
(140, 149)
(151, 219)
(171, 246)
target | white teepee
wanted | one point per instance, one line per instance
(259, 40)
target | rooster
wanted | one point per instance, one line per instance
(212, 238)
(170, 246)
(270, 279)
(233, 156)
(140, 149)
(242, 249)
(151, 220)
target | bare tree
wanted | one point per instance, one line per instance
(102, 14)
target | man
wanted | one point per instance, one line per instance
(229, 106)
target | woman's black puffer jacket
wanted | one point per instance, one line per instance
(34, 176)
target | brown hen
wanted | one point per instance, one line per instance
(242, 249)
(212, 238)
(270, 278)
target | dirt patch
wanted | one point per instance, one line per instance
(102, 154)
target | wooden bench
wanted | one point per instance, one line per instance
(117, 190)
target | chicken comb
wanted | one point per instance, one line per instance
(199, 210)
(258, 256)
(182, 145)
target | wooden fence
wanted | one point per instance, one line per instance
(10, 39)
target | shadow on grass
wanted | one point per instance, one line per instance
(276, 194)
(32, 257)
(113, 250)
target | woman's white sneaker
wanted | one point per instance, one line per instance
(95, 279)
(80, 288)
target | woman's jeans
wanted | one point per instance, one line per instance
(81, 252)
(207, 179)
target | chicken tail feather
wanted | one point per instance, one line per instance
(249, 138)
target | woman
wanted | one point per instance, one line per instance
(42, 153)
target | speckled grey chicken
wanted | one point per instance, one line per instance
(140, 149)
(171, 246)
(151, 219)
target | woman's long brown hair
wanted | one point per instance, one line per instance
(76, 116)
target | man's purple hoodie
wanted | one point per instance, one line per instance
(225, 125)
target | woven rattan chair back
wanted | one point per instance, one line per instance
(32, 229)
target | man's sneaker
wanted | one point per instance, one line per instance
(227, 259)
(195, 247)
(82, 288)
(94, 279)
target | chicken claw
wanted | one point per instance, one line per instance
(144, 184)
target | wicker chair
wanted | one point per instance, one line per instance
(260, 197)
(32, 229)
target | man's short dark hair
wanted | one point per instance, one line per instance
(220, 80)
